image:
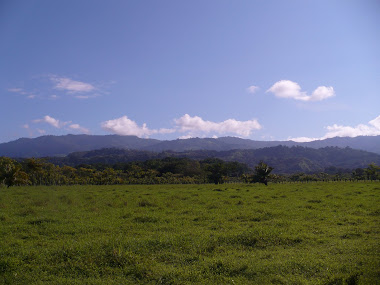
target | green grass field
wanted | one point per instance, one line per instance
(311, 233)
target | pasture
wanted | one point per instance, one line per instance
(303, 233)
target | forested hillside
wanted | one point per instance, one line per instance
(283, 159)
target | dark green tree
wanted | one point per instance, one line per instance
(262, 171)
(216, 170)
(11, 173)
(358, 174)
(372, 172)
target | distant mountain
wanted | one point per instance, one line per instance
(303, 159)
(63, 145)
(283, 159)
(219, 144)
(367, 143)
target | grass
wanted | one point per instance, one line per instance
(311, 233)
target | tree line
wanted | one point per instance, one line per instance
(167, 170)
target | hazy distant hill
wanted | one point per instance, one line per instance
(219, 144)
(63, 145)
(283, 159)
(368, 143)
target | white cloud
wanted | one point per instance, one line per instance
(375, 123)
(196, 125)
(185, 137)
(77, 127)
(192, 126)
(51, 121)
(321, 93)
(125, 126)
(71, 86)
(164, 131)
(78, 89)
(290, 89)
(370, 129)
(303, 139)
(58, 124)
(252, 89)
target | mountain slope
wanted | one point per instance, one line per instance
(283, 159)
(367, 143)
(63, 145)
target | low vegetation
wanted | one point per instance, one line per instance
(309, 233)
(168, 170)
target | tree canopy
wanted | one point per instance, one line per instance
(169, 170)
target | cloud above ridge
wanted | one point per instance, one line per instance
(51, 121)
(370, 129)
(59, 124)
(77, 127)
(292, 90)
(196, 125)
(125, 126)
(190, 126)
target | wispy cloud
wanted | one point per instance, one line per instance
(59, 85)
(20, 91)
(77, 127)
(28, 129)
(68, 125)
(70, 85)
(292, 90)
(86, 96)
(17, 90)
(252, 89)
(51, 121)
(370, 129)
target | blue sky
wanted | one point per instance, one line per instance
(264, 70)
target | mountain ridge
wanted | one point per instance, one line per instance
(63, 145)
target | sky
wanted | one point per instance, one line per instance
(263, 70)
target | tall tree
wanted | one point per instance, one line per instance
(262, 171)
(11, 173)
(372, 172)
